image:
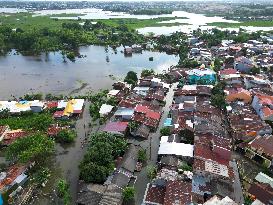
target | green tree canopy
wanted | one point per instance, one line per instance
(131, 78)
(32, 148)
(128, 194)
(165, 131)
(66, 136)
(147, 73)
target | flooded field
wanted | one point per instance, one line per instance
(49, 74)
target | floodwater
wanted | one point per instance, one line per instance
(49, 74)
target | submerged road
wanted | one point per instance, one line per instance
(70, 161)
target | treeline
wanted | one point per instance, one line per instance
(68, 37)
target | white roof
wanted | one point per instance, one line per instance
(257, 202)
(141, 88)
(263, 178)
(200, 72)
(216, 168)
(179, 149)
(216, 201)
(77, 105)
(164, 139)
(20, 178)
(20, 106)
(105, 109)
(113, 92)
(189, 87)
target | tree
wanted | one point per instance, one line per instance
(142, 155)
(35, 148)
(218, 100)
(151, 172)
(66, 136)
(133, 125)
(187, 135)
(217, 64)
(94, 173)
(128, 194)
(165, 131)
(147, 73)
(255, 70)
(131, 78)
(71, 56)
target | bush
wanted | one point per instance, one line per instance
(63, 191)
(128, 194)
(66, 136)
(185, 167)
(142, 155)
(165, 131)
(151, 172)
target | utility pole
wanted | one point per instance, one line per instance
(150, 147)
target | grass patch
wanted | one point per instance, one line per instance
(258, 23)
(141, 23)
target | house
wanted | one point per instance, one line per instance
(105, 110)
(243, 64)
(71, 107)
(261, 147)
(11, 135)
(263, 105)
(218, 201)
(3, 130)
(14, 177)
(238, 94)
(128, 51)
(141, 90)
(181, 150)
(113, 93)
(265, 179)
(124, 113)
(201, 76)
(116, 127)
(177, 192)
(22, 106)
(146, 116)
(121, 86)
(89, 194)
(262, 192)
(228, 71)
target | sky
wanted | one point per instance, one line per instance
(156, 0)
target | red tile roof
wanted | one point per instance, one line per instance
(228, 71)
(52, 104)
(115, 127)
(178, 192)
(263, 145)
(11, 136)
(153, 115)
(263, 192)
(12, 173)
(58, 114)
(141, 109)
(155, 194)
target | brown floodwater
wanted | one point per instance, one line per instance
(49, 74)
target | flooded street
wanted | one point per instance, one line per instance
(49, 74)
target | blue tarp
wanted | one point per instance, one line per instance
(1, 200)
(168, 122)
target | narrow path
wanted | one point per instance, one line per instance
(142, 179)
